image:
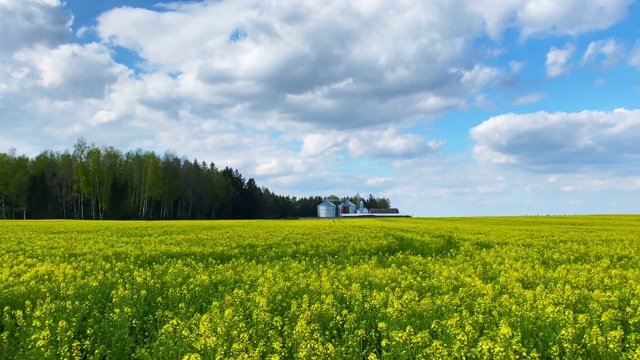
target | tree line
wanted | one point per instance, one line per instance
(104, 183)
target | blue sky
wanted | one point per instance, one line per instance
(499, 107)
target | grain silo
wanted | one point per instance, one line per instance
(347, 207)
(326, 210)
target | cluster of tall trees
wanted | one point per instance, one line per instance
(104, 183)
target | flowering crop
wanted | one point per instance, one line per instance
(466, 288)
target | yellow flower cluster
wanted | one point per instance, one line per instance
(474, 288)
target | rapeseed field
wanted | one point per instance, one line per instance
(463, 288)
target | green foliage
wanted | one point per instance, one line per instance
(103, 183)
(494, 288)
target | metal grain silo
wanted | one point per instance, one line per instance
(347, 207)
(326, 210)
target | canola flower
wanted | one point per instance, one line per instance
(474, 288)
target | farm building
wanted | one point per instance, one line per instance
(385, 211)
(347, 207)
(326, 210)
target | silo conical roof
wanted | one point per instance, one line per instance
(326, 204)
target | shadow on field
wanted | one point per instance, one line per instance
(434, 246)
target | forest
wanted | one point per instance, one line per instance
(104, 183)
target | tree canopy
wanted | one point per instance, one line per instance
(105, 183)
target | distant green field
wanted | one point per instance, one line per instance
(521, 287)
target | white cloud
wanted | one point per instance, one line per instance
(82, 31)
(296, 93)
(102, 117)
(611, 51)
(72, 70)
(550, 141)
(441, 186)
(26, 23)
(391, 144)
(529, 99)
(437, 105)
(318, 144)
(557, 60)
(570, 17)
(331, 65)
(378, 180)
(516, 66)
(279, 166)
(368, 65)
(634, 57)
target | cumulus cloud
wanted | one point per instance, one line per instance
(26, 23)
(318, 144)
(391, 144)
(49, 88)
(278, 166)
(290, 92)
(71, 70)
(442, 185)
(611, 52)
(557, 60)
(570, 17)
(336, 64)
(550, 141)
(339, 64)
(268, 66)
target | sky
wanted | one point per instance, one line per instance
(447, 107)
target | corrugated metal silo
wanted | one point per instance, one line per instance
(326, 210)
(347, 207)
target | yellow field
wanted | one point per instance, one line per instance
(530, 287)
